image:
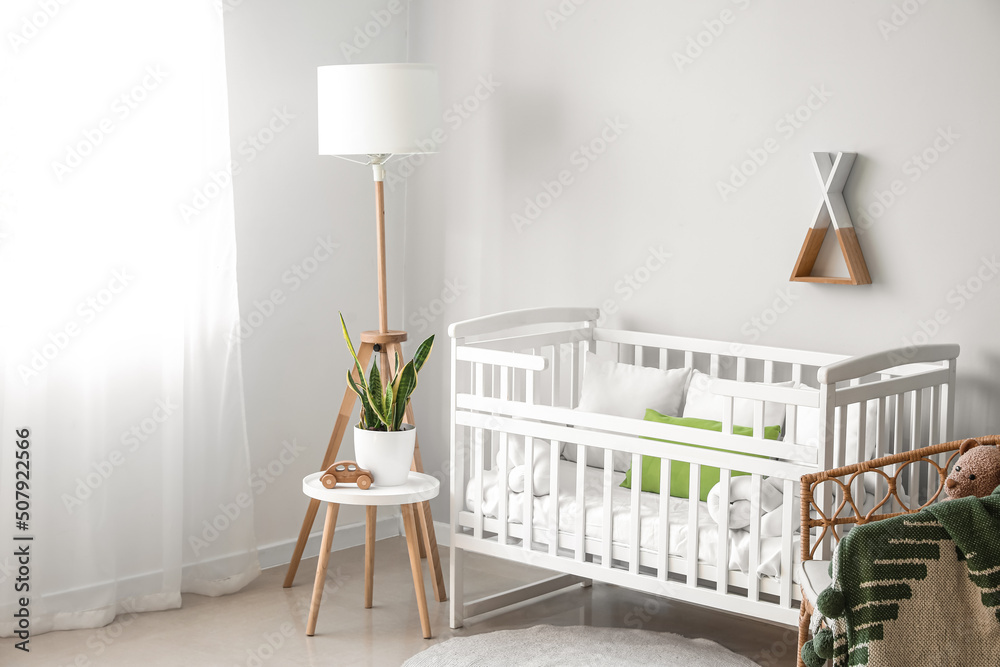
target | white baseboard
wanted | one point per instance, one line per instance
(345, 537)
(352, 535)
(442, 531)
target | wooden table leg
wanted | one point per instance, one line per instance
(370, 519)
(324, 559)
(300, 545)
(410, 525)
(425, 525)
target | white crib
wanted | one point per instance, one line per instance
(520, 373)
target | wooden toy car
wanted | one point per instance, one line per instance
(345, 472)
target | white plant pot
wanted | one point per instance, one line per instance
(388, 454)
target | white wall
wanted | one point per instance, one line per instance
(682, 130)
(655, 187)
(287, 197)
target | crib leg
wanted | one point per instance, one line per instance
(586, 583)
(804, 618)
(457, 601)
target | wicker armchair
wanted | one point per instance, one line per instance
(813, 576)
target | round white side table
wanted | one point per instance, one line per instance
(418, 488)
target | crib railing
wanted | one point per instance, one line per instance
(518, 375)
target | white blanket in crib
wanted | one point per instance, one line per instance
(649, 510)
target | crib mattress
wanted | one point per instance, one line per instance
(621, 518)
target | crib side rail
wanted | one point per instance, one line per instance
(880, 362)
(516, 319)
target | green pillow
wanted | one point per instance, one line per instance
(680, 471)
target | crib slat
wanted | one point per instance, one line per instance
(753, 580)
(505, 381)
(637, 355)
(688, 359)
(581, 505)
(933, 434)
(788, 514)
(859, 453)
(478, 461)
(826, 432)
(459, 444)
(529, 469)
(840, 445)
(792, 424)
(694, 491)
(948, 422)
(528, 497)
(635, 525)
(608, 520)
(915, 410)
(663, 534)
(758, 419)
(897, 432)
(741, 369)
(792, 412)
(722, 544)
(556, 376)
(714, 366)
(664, 358)
(881, 449)
(574, 374)
(935, 417)
(727, 414)
(926, 483)
(918, 474)
(768, 370)
(554, 449)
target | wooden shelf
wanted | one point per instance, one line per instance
(832, 176)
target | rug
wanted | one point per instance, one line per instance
(578, 646)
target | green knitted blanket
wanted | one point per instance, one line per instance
(920, 589)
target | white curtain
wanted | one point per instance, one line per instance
(118, 307)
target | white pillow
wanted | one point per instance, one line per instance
(807, 427)
(626, 390)
(702, 403)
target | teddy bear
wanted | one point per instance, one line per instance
(977, 471)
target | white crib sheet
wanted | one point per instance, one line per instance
(708, 530)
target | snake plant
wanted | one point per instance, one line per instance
(383, 404)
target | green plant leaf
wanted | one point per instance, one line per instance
(350, 346)
(422, 353)
(367, 414)
(405, 385)
(388, 400)
(375, 381)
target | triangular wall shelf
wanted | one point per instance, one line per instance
(832, 176)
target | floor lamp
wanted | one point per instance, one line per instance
(376, 111)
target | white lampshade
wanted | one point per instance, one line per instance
(370, 109)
